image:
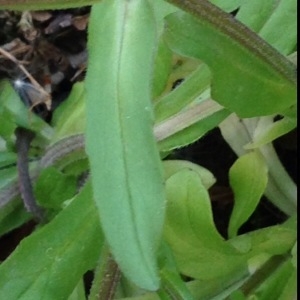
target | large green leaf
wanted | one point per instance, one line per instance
(49, 263)
(125, 165)
(248, 178)
(259, 81)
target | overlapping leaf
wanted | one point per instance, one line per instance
(51, 261)
(125, 164)
(259, 81)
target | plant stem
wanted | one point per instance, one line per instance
(206, 12)
(107, 276)
(24, 138)
(263, 274)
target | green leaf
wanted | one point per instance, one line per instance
(53, 188)
(228, 5)
(79, 292)
(195, 131)
(162, 68)
(50, 262)
(172, 284)
(259, 245)
(280, 283)
(254, 14)
(267, 131)
(125, 164)
(12, 215)
(248, 178)
(69, 117)
(171, 167)
(183, 95)
(6, 158)
(233, 52)
(275, 21)
(16, 114)
(191, 233)
(173, 287)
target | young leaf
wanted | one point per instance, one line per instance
(248, 179)
(171, 167)
(69, 117)
(267, 130)
(50, 262)
(191, 233)
(125, 165)
(237, 54)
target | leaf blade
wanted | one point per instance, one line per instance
(261, 81)
(130, 199)
(51, 261)
(248, 178)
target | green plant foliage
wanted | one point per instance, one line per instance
(53, 188)
(69, 118)
(248, 180)
(159, 77)
(12, 215)
(268, 131)
(127, 179)
(243, 91)
(51, 261)
(190, 230)
(193, 132)
(192, 86)
(162, 68)
(264, 16)
(14, 113)
(228, 5)
(171, 167)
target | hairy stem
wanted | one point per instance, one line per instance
(206, 12)
(107, 276)
(24, 138)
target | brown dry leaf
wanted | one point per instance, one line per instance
(41, 16)
(80, 22)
